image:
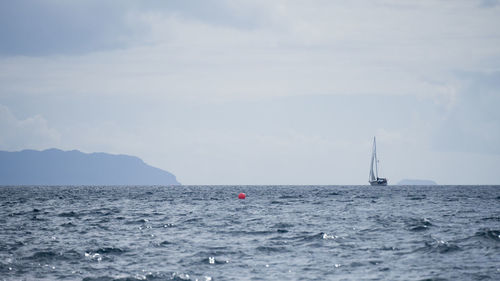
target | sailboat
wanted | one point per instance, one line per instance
(374, 179)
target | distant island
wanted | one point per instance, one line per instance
(57, 167)
(416, 182)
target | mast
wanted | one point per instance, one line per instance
(375, 155)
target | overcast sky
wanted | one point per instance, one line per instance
(259, 92)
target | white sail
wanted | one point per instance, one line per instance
(372, 176)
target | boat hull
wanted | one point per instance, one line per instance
(379, 182)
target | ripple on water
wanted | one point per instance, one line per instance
(139, 221)
(414, 224)
(283, 225)
(44, 256)
(416, 197)
(71, 214)
(315, 237)
(488, 234)
(439, 246)
(149, 276)
(110, 250)
(104, 253)
(493, 218)
(272, 249)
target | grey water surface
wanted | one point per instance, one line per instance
(276, 233)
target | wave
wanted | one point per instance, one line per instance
(272, 249)
(44, 255)
(103, 253)
(488, 234)
(191, 220)
(244, 233)
(497, 218)
(150, 276)
(70, 214)
(314, 237)
(423, 224)
(333, 193)
(366, 196)
(139, 221)
(51, 255)
(481, 238)
(36, 218)
(416, 197)
(283, 225)
(110, 250)
(298, 196)
(439, 246)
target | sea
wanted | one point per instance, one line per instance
(277, 233)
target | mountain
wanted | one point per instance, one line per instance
(416, 182)
(57, 167)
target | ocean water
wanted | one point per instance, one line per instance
(277, 233)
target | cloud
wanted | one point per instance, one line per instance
(51, 27)
(489, 3)
(175, 50)
(32, 132)
(54, 27)
(473, 123)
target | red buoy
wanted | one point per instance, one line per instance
(242, 196)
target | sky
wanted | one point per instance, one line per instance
(259, 92)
